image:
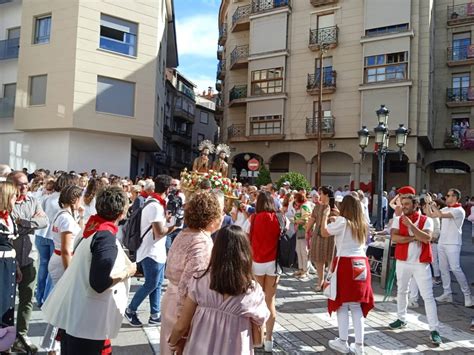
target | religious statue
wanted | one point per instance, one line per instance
(201, 163)
(220, 165)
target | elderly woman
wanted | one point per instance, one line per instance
(189, 253)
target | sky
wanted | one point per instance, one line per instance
(197, 32)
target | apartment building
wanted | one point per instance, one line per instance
(87, 79)
(205, 126)
(375, 52)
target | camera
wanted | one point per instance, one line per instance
(175, 208)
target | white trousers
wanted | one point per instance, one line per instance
(450, 259)
(302, 251)
(421, 273)
(357, 321)
(435, 263)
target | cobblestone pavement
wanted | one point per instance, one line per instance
(304, 326)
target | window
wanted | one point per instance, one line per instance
(328, 77)
(37, 92)
(42, 29)
(265, 125)
(460, 46)
(115, 96)
(204, 118)
(459, 124)
(267, 81)
(386, 67)
(326, 106)
(200, 138)
(460, 88)
(118, 35)
(386, 30)
(13, 33)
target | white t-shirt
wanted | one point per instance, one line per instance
(451, 228)
(414, 248)
(63, 222)
(151, 248)
(345, 244)
(51, 208)
(89, 209)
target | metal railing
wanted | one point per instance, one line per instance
(323, 36)
(239, 52)
(238, 92)
(461, 53)
(460, 94)
(242, 12)
(461, 12)
(329, 79)
(9, 48)
(327, 127)
(7, 107)
(236, 130)
(221, 67)
(219, 85)
(220, 51)
(264, 5)
(222, 34)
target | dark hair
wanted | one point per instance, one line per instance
(456, 193)
(69, 195)
(413, 198)
(230, 266)
(300, 198)
(64, 180)
(162, 183)
(265, 202)
(111, 202)
(328, 192)
(93, 186)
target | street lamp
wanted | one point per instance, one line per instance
(382, 136)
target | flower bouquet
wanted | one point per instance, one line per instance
(191, 181)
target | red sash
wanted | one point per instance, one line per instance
(401, 249)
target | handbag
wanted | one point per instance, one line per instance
(7, 337)
(257, 335)
(330, 283)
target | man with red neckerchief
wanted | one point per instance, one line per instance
(412, 234)
(449, 247)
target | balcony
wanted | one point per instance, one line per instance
(327, 128)
(9, 48)
(220, 52)
(461, 55)
(326, 37)
(460, 14)
(313, 83)
(317, 3)
(236, 133)
(460, 97)
(267, 5)
(181, 137)
(239, 58)
(219, 104)
(219, 85)
(221, 69)
(180, 112)
(240, 19)
(222, 35)
(238, 96)
(7, 107)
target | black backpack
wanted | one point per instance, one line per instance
(132, 237)
(286, 252)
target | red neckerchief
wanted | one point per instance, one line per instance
(144, 194)
(96, 224)
(414, 217)
(4, 215)
(21, 198)
(159, 198)
(454, 205)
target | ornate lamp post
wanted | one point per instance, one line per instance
(382, 135)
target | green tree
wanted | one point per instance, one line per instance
(296, 180)
(263, 176)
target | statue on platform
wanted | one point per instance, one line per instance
(220, 165)
(201, 163)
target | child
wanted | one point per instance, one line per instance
(223, 303)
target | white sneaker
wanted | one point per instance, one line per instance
(413, 304)
(445, 298)
(357, 349)
(339, 345)
(468, 301)
(268, 346)
(311, 269)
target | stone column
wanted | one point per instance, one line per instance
(412, 174)
(356, 175)
(419, 186)
(309, 172)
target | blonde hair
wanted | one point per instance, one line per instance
(351, 210)
(7, 191)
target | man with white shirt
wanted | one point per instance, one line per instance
(412, 234)
(152, 252)
(449, 247)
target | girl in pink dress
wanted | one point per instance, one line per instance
(222, 302)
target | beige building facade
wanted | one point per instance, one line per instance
(374, 52)
(90, 85)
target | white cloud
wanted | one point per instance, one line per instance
(197, 35)
(203, 82)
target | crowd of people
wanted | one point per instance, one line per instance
(68, 245)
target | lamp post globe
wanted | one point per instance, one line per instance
(382, 115)
(363, 137)
(401, 134)
(380, 134)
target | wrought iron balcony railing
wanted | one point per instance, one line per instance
(9, 48)
(241, 13)
(7, 107)
(327, 128)
(219, 85)
(221, 69)
(329, 79)
(220, 52)
(239, 52)
(461, 13)
(326, 36)
(238, 92)
(236, 130)
(459, 95)
(265, 5)
(460, 53)
(223, 34)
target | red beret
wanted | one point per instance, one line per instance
(406, 190)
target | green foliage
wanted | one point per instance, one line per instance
(263, 176)
(297, 181)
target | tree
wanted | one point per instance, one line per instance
(296, 180)
(263, 176)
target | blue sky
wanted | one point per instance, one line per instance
(197, 32)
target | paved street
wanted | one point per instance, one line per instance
(304, 326)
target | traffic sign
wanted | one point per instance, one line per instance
(253, 164)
